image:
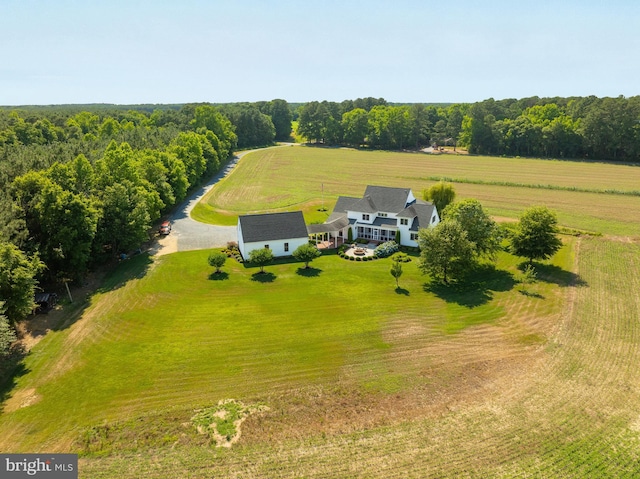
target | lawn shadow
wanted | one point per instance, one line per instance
(134, 267)
(308, 272)
(263, 277)
(531, 294)
(12, 368)
(402, 291)
(477, 289)
(550, 273)
(221, 276)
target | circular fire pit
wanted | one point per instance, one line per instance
(359, 251)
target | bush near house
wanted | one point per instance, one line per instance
(386, 249)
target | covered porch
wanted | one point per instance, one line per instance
(329, 235)
(381, 230)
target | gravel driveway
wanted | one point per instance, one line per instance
(188, 234)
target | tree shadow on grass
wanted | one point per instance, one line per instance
(531, 294)
(221, 276)
(308, 272)
(402, 291)
(10, 370)
(475, 290)
(264, 277)
(135, 267)
(550, 273)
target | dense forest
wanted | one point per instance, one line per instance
(81, 184)
(588, 127)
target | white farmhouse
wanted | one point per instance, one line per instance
(282, 233)
(378, 216)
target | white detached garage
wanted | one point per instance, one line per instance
(282, 233)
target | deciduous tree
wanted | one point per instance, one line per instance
(7, 333)
(261, 257)
(536, 234)
(445, 251)
(480, 228)
(440, 194)
(18, 282)
(396, 270)
(217, 260)
(306, 253)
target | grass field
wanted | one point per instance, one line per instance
(292, 178)
(360, 379)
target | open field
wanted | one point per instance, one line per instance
(428, 383)
(360, 379)
(291, 178)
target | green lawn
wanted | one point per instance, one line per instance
(361, 379)
(293, 178)
(151, 342)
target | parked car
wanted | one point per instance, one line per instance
(165, 228)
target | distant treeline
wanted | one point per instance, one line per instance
(577, 127)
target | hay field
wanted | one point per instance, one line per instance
(291, 178)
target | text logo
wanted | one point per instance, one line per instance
(46, 466)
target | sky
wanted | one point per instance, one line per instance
(157, 51)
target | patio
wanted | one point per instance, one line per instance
(360, 250)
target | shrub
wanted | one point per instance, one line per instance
(386, 249)
(401, 258)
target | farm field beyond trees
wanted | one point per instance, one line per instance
(290, 178)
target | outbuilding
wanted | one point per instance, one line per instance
(282, 233)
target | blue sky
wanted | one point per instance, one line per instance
(156, 51)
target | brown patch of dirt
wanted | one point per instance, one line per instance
(165, 245)
(22, 398)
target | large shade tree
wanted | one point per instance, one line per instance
(445, 251)
(536, 234)
(480, 228)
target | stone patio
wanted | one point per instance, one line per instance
(360, 250)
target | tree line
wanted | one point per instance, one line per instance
(576, 127)
(79, 187)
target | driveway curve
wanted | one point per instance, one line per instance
(188, 234)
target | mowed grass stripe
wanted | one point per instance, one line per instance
(571, 412)
(199, 340)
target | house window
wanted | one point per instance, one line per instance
(383, 215)
(365, 217)
(286, 247)
(414, 236)
(404, 221)
(433, 219)
(266, 246)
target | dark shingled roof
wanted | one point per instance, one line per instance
(272, 226)
(422, 213)
(388, 199)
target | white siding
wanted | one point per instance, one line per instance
(276, 246)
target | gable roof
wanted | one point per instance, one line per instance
(421, 212)
(376, 199)
(388, 199)
(272, 226)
